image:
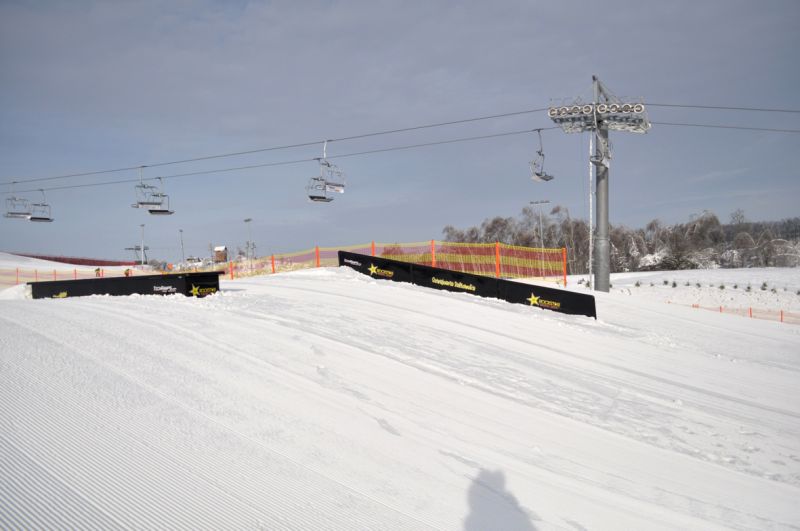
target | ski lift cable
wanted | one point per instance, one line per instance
(278, 148)
(401, 130)
(715, 107)
(439, 143)
(737, 127)
(361, 153)
(296, 161)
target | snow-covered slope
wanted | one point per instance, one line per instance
(323, 399)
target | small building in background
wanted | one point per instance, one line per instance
(220, 254)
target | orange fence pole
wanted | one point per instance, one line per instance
(433, 253)
(497, 259)
(316, 253)
(564, 264)
(74, 274)
(781, 315)
(751, 313)
(272, 259)
(373, 247)
(230, 264)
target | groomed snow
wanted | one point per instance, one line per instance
(323, 399)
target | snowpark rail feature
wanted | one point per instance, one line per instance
(557, 300)
(189, 284)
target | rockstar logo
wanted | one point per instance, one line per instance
(195, 291)
(534, 300)
(373, 269)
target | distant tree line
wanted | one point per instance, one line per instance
(702, 242)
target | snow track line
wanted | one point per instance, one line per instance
(528, 341)
(193, 411)
(75, 460)
(618, 381)
(679, 501)
(227, 428)
(262, 362)
(16, 464)
(707, 406)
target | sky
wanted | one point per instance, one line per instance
(90, 86)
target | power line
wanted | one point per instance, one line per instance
(756, 109)
(287, 162)
(713, 126)
(276, 148)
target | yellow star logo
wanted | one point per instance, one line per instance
(534, 300)
(373, 269)
(195, 290)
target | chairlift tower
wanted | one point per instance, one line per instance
(137, 249)
(605, 113)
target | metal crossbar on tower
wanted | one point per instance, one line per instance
(605, 113)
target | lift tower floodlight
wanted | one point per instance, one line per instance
(605, 113)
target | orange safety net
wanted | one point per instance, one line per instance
(490, 259)
(21, 275)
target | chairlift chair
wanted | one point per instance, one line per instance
(317, 190)
(40, 212)
(160, 209)
(147, 196)
(537, 165)
(331, 180)
(17, 208)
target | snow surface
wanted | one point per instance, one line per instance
(766, 287)
(324, 399)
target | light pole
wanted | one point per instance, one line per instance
(541, 234)
(142, 226)
(249, 239)
(183, 256)
(605, 113)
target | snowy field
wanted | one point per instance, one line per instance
(323, 399)
(767, 288)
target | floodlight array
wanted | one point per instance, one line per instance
(580, 117)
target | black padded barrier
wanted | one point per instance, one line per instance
(189, 284)
(557, 300)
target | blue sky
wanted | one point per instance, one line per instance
(98, 85)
